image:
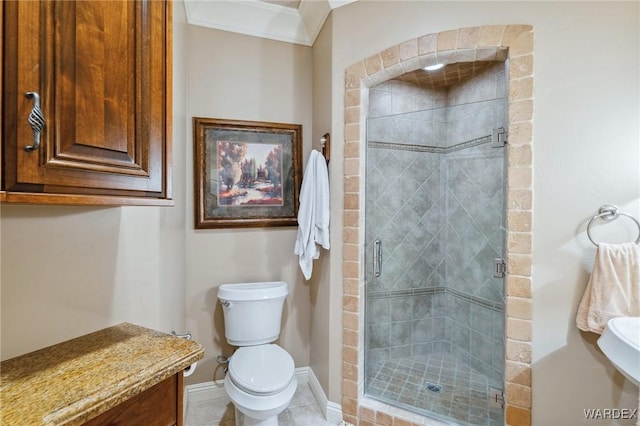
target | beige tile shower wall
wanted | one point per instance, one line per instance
(486, 86)
(403, 112)
(392, 62)
(489, 84)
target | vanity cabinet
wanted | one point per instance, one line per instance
(124, 375)
(101, 74)
(161, 405)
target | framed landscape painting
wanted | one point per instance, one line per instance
(247, 173)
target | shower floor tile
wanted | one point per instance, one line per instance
(435, 384)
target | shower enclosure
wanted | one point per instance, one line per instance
(434, 235)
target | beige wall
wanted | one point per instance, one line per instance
(326, 289)
(578, 166)
(320, 289)
(242, 77)
(67, 271)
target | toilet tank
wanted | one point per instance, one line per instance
(252, 311)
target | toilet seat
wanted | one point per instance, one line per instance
(261, 370)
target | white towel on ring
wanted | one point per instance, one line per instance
(313, 213)
(613, 289)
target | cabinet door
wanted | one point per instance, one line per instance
(160, 405)
(102, 70)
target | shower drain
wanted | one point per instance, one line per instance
(433, 387)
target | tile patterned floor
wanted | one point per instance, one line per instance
(462, 396)
(303, 411)
(435, 384)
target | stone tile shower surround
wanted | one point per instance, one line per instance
(438, 383)
(433, 244)
(434, 196)
(514, 43)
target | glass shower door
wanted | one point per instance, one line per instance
(434, 311)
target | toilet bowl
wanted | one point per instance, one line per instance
(260, 381)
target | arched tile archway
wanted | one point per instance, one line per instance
(513, 43)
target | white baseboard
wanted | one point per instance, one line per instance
(334, 413)
(204, 391)
(210, 390)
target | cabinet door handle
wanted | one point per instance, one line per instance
(36, 121)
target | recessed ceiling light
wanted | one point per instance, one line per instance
(433, 67)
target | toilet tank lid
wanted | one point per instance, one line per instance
(253, 291)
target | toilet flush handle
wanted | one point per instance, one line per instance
(226, 303)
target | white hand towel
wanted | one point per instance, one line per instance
(313, 213)
(613, 289)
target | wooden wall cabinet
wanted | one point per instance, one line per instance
(102, 71)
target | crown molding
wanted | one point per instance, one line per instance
(265, 20)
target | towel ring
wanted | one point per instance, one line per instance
(609, 213)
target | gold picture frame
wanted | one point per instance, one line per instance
(246, 173)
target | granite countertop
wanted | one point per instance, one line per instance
(72, 382)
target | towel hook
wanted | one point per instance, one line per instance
(608, 213)
(325, 141)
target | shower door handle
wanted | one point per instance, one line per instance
(377, 258)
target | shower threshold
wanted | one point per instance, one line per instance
(436, 385)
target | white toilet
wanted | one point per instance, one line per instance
(261, 378)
